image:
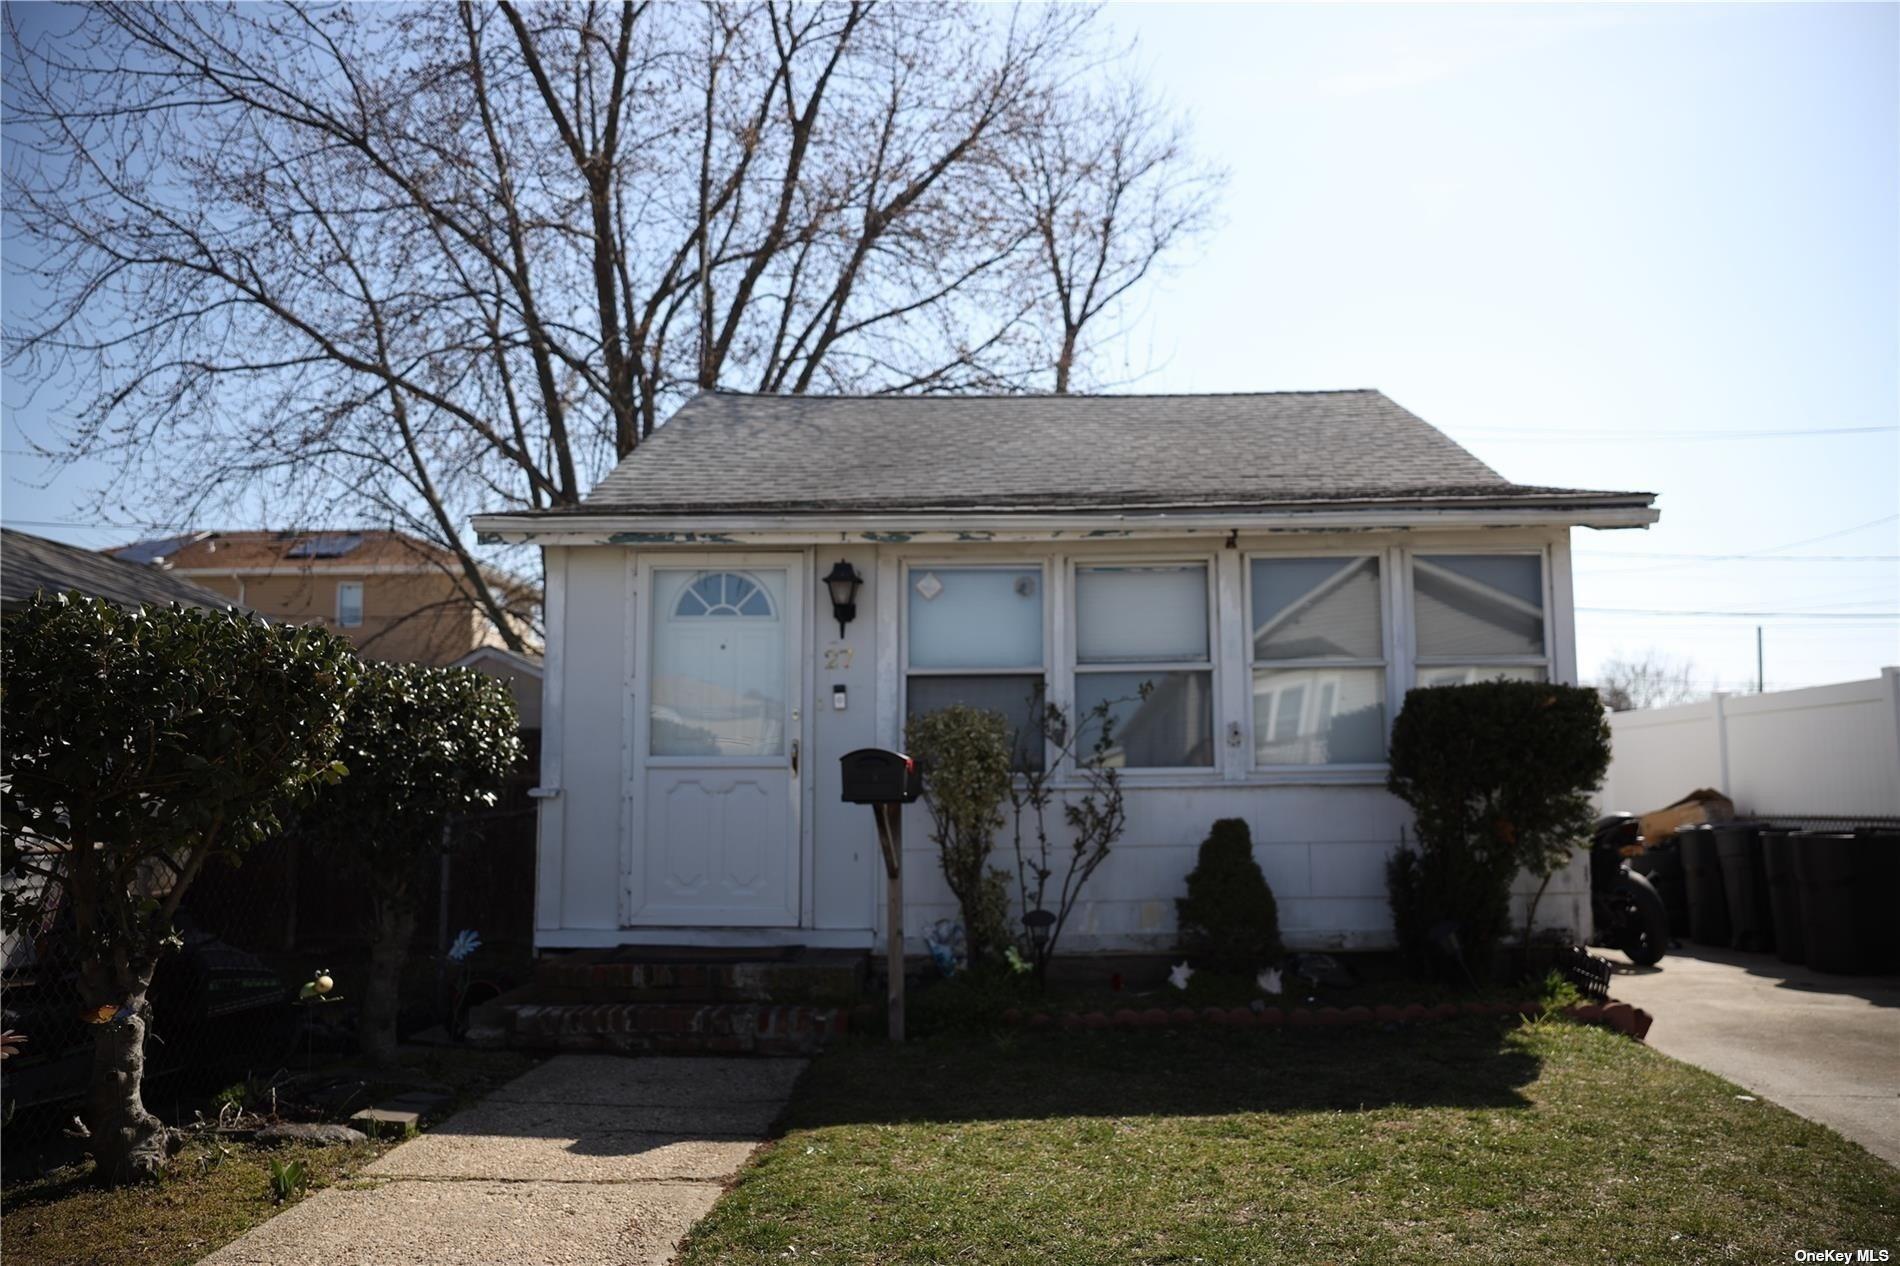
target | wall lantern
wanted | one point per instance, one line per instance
(843, 581)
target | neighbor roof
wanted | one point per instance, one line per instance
(726, 453)
(30, 564)
(341, 551)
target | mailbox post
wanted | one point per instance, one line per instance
(887, 781)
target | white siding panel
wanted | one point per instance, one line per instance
(593, 762)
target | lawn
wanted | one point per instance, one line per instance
(1470, 1141)
(217, 1188)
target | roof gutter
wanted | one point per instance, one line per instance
(825, 529)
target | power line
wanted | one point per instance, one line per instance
(1756, 558)
(1772, 549)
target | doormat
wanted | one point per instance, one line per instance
(698, 955)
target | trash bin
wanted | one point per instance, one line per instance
(1745, 885)
(1702, 876)
(1661, 864)
(1846, 894)
(1784, 893)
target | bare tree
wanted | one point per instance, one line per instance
(419, 261)
(1112, 191)
(1653, 680)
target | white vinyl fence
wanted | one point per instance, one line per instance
(1832, 750)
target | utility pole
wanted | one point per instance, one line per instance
(1760, 680)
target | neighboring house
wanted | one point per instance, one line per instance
(522, 673)
(1281, 568)
(32, 564)
(396, 597)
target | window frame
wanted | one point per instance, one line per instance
(1419, 664)
(909, 567)
(1388, 663)
(1073, 667)
(357, 585)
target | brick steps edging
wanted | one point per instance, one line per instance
(1620, 1016)
(676, 1028)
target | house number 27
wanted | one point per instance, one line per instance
(837, 658)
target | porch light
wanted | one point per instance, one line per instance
(843, 581)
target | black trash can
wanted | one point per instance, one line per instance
(1745, 885)
(1784, 893)
(1661, 864)
(1702, 875)
(1846, 899)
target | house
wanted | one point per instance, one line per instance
(32, 564)
(1279, 568)
(395, 596)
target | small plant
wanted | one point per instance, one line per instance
(1095, 819)
(964, 753)
(1229, 920)
(1556, 993)
(287, 1179)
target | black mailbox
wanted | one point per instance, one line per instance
(873, 775)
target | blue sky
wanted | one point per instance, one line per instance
(1592, 243)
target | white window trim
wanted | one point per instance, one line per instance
(1344, 771)
(357, 623)
(1042, 672)
(1546, 661)
(1071, 665)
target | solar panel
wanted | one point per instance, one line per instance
(325, 545)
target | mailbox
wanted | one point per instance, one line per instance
(873, 775)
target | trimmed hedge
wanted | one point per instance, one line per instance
(1229, 920)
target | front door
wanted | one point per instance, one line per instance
(717, 825)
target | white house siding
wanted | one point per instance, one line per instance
(1322, 836)
(1831, 750)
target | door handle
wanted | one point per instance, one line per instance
(794, 756)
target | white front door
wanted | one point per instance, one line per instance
(716, 830)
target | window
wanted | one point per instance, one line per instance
(975, 637)
(349, 603)
(719, 685)
(1317, 648)
(1479, 617)
(1142, 648)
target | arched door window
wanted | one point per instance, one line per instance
(723, 593)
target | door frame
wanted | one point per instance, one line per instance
(636, 732)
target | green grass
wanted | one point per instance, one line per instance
(212, 1194)
(1461, 1142)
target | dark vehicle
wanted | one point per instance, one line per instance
(1628, 913)
(213, 1007)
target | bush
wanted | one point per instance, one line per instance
(1499, 776)
(1229, 920)
(421, 743)
(964, 753)
(139, 747)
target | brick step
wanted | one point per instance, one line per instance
(827, 978)
(662, 1028)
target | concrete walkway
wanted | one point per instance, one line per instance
(587, 1160)
(1827, 1047)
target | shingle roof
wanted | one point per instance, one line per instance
(29, 564)
(725, 453)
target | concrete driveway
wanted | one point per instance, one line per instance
(1827, 1047)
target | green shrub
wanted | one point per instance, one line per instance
(964, 753)
(1229, 920)
(1499, 776)
(139, 747)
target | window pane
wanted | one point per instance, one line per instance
(1319, 716)
(1316, 608)
(1457, 676)
(1173, 726)
(1479, 604)
(1134, 614)
(976, 617)
(349, 604)
(1016, 697)
(718, 684)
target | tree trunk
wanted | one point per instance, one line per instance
(393, 927)
(129, 1144)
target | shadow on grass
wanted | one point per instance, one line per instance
(1189, 1072)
